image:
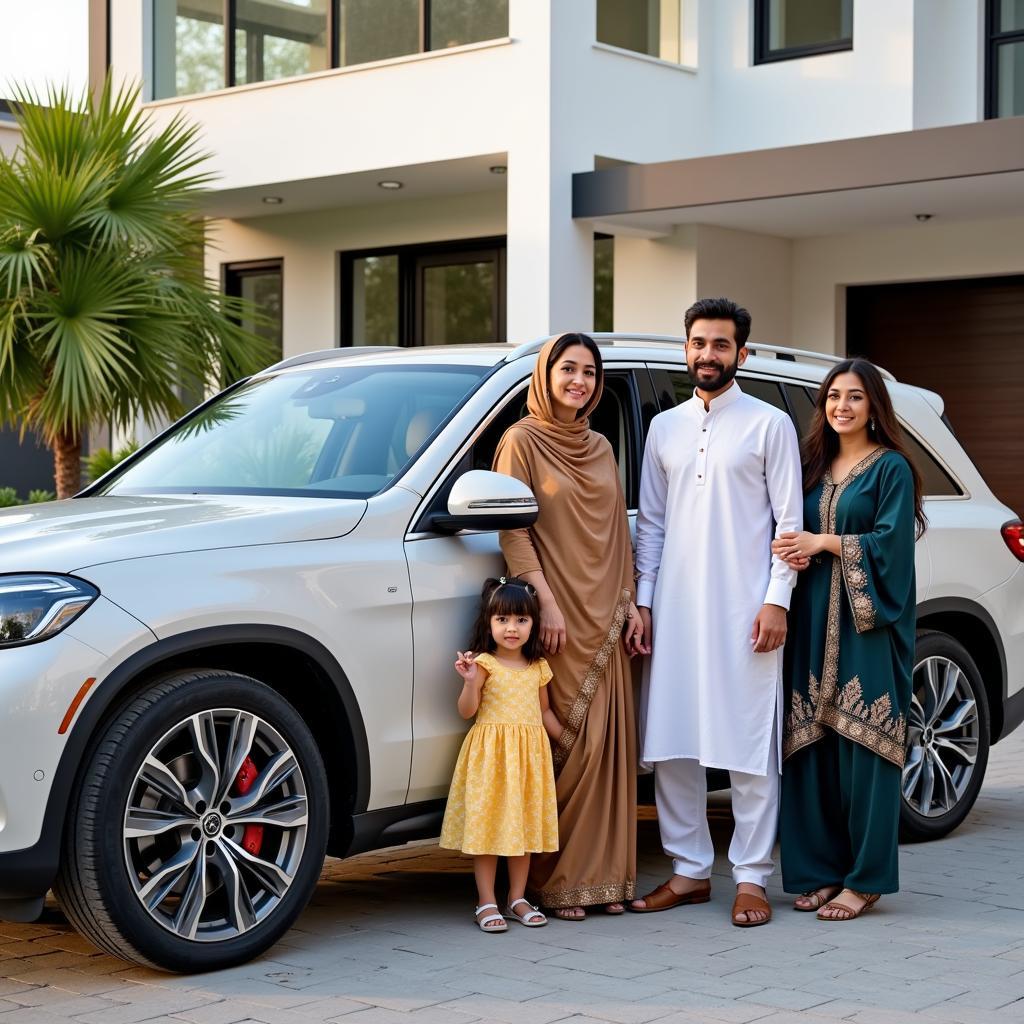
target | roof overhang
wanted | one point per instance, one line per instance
(964, 172)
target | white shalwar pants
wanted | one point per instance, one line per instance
(681, 792)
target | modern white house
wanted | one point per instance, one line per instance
(407, 172)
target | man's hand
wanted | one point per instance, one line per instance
(769, 632)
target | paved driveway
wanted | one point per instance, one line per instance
(388, 939)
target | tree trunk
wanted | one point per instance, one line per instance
(67, 463)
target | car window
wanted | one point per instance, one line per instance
(673, 387)
(766, 390)
(802, 400)
(335, 431)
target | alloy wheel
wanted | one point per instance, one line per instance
(215, 825)
(943, 731)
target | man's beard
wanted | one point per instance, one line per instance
(725, 375)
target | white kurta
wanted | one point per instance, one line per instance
(714, 483)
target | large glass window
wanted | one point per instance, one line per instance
(784, 29)
(443, 294)
(279, 39)
(644, 26)
(261, 283)
(199, 45)
(1005, 89)
(333, 431)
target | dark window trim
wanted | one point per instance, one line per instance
(409, 290)
(994, 39)
(763, 54)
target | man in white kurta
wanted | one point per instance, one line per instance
(721, 478)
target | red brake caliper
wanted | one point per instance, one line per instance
(252, 837)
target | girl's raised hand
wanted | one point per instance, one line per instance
(467, 667)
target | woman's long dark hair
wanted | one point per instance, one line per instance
(821, 443)
(510, 596)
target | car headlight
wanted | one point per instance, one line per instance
(35, 607)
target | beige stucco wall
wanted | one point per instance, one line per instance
(823, 267)
(308, 243)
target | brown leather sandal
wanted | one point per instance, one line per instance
(748, 901)
(849, 913)
(818, 900)
(664, 898)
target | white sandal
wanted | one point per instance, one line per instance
(482, 922)
(523, 919)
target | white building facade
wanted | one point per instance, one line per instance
(437, 171)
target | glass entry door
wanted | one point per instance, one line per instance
(458, 298)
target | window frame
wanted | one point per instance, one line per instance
(410, 292)
(995, 39)
(229, 9)
(764, 54)
(233, 273)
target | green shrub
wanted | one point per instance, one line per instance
(9, 497)
(35, 497)
(103, 460)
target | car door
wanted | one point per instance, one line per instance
(447, 574)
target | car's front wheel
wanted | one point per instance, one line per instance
(947, 739)
(199, 826)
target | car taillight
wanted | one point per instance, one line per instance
(1013, 534)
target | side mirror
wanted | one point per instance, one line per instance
(481, 500)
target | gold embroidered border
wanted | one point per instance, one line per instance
(588, 896)
(827, 711)
(871, 725)
(578, 709)
(800, 727)
(856, 579)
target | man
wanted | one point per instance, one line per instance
(721, 476)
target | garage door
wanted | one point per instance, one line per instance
(965, 340)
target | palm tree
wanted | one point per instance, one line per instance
(104, 307)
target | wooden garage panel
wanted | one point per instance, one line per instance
(965, 340)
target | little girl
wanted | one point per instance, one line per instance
(502, 800)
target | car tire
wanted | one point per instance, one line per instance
(154, 873)
(947, 739)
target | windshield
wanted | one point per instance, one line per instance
(342, 432)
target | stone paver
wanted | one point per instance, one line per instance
(388, 939)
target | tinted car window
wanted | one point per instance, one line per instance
(766, 390)
(672, 386)
(340, 431)
(802, 400)
(935, 481)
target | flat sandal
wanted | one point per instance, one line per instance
(816, 896)
(848, 913)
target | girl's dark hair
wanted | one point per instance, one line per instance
(821, 443)
(567, 341)
(507, 596)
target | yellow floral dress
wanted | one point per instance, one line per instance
(502, 800)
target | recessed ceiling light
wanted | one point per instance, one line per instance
(498, 169)
(390, 185)
(922, 217)
(273, 200)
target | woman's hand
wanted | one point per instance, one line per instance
(797, 549)
(633, 632)
(552, 628)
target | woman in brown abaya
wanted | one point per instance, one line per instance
(578, 556)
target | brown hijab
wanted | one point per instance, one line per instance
(581, 537)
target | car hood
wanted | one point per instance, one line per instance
(64, 536)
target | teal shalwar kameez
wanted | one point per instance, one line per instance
(847, 675)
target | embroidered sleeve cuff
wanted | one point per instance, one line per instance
(779, 592)
(644, 593)
(855, 578)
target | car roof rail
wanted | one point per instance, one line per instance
(791, 355)
(328, 353)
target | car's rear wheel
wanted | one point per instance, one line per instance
(199, 826)
(947, 739)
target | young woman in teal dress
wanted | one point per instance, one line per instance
(849, 657)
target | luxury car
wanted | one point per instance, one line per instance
(232, 655)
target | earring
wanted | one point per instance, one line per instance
(871, 424)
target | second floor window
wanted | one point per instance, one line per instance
(786, 29)
(199, 45)
(1005, 87)
(643, 26)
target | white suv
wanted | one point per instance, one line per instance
(233, 653)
